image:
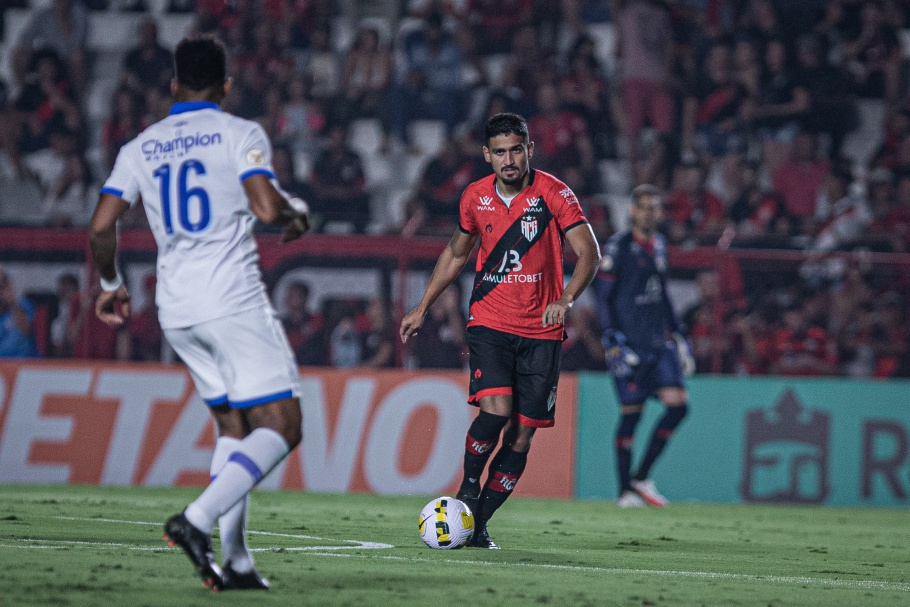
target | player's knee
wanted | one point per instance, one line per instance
(625, 432)
(292, 426)
(522, 441)
(487, 426)
(230, 422)
(284, 417)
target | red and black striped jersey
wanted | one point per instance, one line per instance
(519, 265)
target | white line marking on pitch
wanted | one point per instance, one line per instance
(354, 544)
(737, 577)
(331, 551)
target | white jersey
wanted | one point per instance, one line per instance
(189, 170)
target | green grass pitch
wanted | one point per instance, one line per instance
(98, 546)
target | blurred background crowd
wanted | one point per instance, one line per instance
(771, 125)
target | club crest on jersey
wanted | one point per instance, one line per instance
(529, 227)
(486, 203)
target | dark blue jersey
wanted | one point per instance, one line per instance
(632, 291)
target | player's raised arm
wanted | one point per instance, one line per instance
(448, 267)
(273, 207)
(103, 240)
(581, 239)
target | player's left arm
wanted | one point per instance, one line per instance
(103, 241)
(274, 207)
(683, 347)
(581, 239)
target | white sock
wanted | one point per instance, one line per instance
(232, 524)
(253, 458)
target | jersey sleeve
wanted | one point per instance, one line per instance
(466, 221)
(254, 154)
(566, 208)
(123, 181)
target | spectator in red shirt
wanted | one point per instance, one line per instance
(434, 210)
(93, 338)
(123, 124)
(561, 137)
(754, 211)
(891, 217)
(145, 336)
(691, 209)
(800, 178)
(339, 185)
(645, 47)
(801, 348)
(305, 330)
(712, 107)
(495, 20)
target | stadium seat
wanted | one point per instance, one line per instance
(365, 136)
(113, 31)
(495, 65)
(392, 210)
(100, 94)
(380, 24)
(342, 34)
(14, 22)
(13, 209)
(172, 28)
(904, 37)
(614, 176)
(107, 64)
(303, 165)
(378, 170)
(604, 36)
(6, 68)
(157, 7)
(619, 211)
(412, 168)
(428, 136)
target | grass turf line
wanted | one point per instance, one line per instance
(101, 546)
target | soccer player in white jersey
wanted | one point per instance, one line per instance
(204, 177)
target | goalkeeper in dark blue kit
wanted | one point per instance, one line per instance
(645, 347)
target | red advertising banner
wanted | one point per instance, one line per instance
(398, 432)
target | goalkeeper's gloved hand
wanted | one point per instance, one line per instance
(620, 358)
(684, 352)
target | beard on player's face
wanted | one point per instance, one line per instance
(519, 175)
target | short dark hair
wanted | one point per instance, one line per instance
(645, 189)
(200, 63)
(506, 123)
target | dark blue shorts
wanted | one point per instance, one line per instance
(658, 369)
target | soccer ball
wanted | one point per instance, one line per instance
(446, 523)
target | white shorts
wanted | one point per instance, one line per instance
(243, 359)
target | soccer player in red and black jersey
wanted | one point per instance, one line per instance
(522, 218)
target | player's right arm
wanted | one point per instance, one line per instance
(451, 261)
(103, 240)
(272, 207)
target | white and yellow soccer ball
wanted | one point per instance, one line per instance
(446, 523)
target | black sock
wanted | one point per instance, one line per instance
(504, 474)
(625, 436)
(479, 444)
(662, 432)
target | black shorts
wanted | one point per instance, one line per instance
(525, 368)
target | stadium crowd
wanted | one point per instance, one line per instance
(770, 125)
